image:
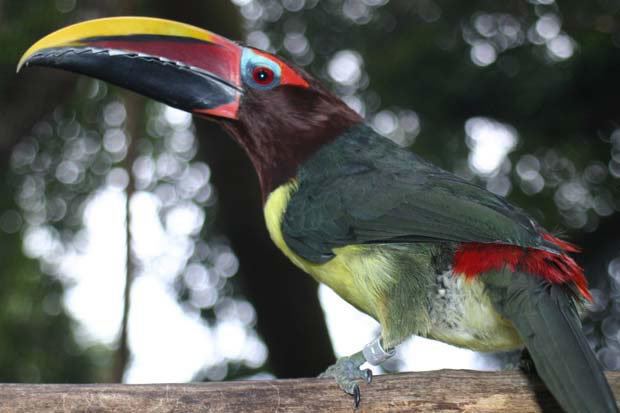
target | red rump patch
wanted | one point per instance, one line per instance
(566, 246)
(473, 258)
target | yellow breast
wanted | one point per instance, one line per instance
(343, 273)
(365, 276)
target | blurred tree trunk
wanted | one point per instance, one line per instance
(134, 104)
(290, 319)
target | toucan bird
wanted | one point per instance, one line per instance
(419, 249)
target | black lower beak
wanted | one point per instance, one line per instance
(181, 65)
(184, 87)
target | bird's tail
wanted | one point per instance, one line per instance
(546, 318)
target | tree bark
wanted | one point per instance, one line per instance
(289, 315)
(290, 319)
(435, 391)
(134, 104)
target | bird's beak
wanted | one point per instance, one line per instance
(175, 63)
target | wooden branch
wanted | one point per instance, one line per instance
(435, 391)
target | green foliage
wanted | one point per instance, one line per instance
(540, 74)
(422, 55)
(36, 340)
(426, 69)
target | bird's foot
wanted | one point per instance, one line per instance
(347, 372)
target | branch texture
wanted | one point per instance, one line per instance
(436, 391)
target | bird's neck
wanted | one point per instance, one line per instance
(276, 159)
(278, 145)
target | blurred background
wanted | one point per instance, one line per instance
(132, 245)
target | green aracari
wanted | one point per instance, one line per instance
(417, 248)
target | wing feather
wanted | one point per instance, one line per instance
(364, 189)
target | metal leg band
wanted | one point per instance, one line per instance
(375, 354)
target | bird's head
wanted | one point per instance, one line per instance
(278, 113)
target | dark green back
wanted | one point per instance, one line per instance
(363, 188)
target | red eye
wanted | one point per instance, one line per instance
(262, 75)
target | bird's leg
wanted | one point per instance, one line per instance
(347, 370)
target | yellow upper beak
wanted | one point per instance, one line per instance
(119, 26)
(176, 63)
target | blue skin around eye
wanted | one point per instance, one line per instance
(251, 60)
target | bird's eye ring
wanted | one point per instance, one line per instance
(263, 75)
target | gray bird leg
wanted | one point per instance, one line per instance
(346, 371)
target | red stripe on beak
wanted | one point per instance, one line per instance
(222, 61)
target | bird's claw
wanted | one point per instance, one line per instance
(346, 372)
(368, 374)
(357, 398)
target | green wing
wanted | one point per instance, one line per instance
(363, 189)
